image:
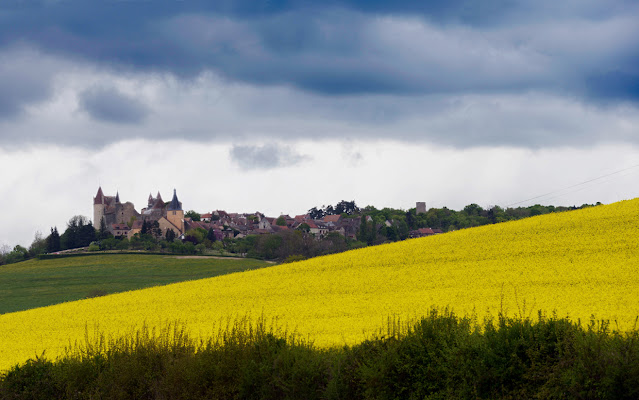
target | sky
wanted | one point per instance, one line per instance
(281, 106)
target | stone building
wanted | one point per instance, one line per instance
(173, 216)
(114, 213)
(111, 210)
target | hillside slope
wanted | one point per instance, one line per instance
(578, 264)
(39, 283)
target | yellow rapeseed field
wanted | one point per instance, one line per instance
(578, 264)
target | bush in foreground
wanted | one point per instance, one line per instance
(440, 356)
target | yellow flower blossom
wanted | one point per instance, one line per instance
(579, 264)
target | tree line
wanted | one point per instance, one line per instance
(376, 226)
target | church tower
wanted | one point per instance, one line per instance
(174, 212)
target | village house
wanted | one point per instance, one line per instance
(120, 230)
(121, 219)
(206, 217)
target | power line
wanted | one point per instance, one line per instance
(574, 186)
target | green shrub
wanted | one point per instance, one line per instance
(440, 356)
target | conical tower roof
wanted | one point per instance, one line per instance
(175, 203)
(99, 198)
(117, 197)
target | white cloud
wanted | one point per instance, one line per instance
(45, 186)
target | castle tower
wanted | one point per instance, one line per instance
(174, 212)
(421, 208)
(98, 208)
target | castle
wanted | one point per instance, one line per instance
(122, 219)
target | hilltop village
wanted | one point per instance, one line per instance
(119, 225)
(123, 220)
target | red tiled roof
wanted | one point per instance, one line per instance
(158, 203)
(332, 218)
(426, 231)
(208, 215)
(98, 197)
(120, 227)
(136, 224)
(198, 224)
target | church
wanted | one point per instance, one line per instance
(122, 219)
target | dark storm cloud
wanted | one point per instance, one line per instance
(348, 47)
(265, 157)
(110, 105)
(23, 81)
(615, 85)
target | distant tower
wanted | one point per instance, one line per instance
(174, 213)
(98, 208)
(421, 207)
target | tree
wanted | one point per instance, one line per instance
(473, 210)
(18, 254)
(211, 235)
(53, 241)
(79, 233)
(362, 237)
(102, 232)
(281, 221)
(402, 230)
(145, 227)
(4, 250)
(268, 245)
(372, 233)
(170, 235)
(123, 244)
(346, 207)
(392, 233)
(156, 231)
(86, 235)
(193, 215)
(136, 242)
(304, 227)
(314, 213)
(38, 246)
(196, 236)
(410, 219)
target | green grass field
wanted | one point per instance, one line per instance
(39, 283)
